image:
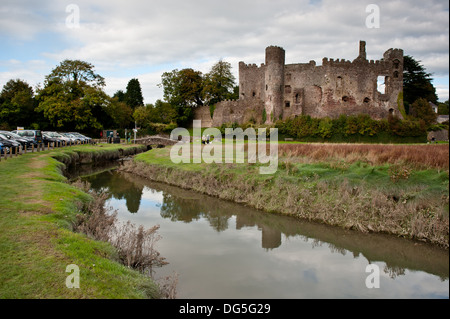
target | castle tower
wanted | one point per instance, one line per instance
(274, 83)
(394, 79)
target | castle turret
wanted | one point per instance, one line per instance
(394, 80)
(362, 50)
(274, 83)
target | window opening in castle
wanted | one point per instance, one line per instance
(287, 104)
(396, 63)
(381, 84)
(339, 82)
(287, 89)
(288, 76)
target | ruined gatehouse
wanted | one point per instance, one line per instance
(275, 90)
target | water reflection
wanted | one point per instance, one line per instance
(398, 257)
(118, 188)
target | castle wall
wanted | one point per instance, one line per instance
(231, 111)
(344, 87)
(336, 87)
(238, 111)
(251, 81)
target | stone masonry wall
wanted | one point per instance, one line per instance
(336, 87)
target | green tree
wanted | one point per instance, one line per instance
(163, 112)
(72, 97)
(120, 112)
(422, 110)
(183, 89)
(17, 104)
(416, 82)
(75, 74)
(443, 108)
(120, 95)
(133, 95)
(219, 83)
(141, 115)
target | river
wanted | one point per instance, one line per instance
(221, 249)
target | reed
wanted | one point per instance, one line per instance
(417, 156)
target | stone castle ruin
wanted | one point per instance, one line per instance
(276, 90)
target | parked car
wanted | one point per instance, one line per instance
(49, 139)
(24, 141)
(82, 137)
(3, 149)
(72, 137)
(36, 135)
(53, 137)
(9, 144)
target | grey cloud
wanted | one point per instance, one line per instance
(129, 34)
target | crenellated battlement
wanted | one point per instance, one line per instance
(337, 62)
(338, 86)
(250, 65)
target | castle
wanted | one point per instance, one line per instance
(276, 90)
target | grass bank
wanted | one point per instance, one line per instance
(37, 209)
(396, 189)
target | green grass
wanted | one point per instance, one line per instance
(37, 208)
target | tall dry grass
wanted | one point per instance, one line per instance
(434, 156)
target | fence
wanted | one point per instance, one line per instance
(16, 151)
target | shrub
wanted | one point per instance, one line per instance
(355, 128)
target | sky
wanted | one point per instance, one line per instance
(143, 39)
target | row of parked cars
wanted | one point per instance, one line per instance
(19, 139)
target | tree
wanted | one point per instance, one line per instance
(17, 104)
(72, 97)
(133, 95)
(443, 108)
(76, 73)
(161, 112)
(219, 83)
(422, 110)
(120, 95)
(416, 82)
(183, 90)
(120, 112)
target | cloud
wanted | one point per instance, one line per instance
(133, 38)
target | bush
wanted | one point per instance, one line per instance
(355, 128)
